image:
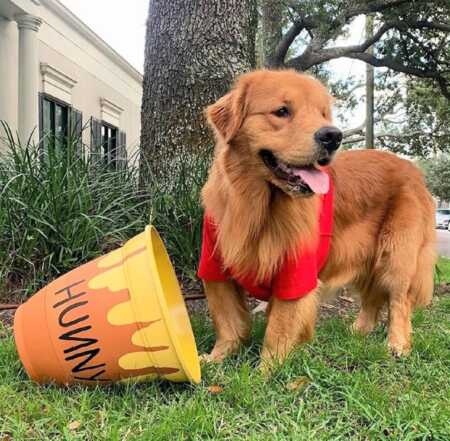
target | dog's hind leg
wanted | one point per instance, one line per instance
(373, 299)
(396, 279)
(422, 285)
(402, 301)
(400, 242)
(229, 311)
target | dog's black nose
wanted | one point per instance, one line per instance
(329, 137)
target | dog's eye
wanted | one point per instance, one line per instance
(282, 112)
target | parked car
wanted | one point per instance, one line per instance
(443, 218)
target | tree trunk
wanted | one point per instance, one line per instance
(271, 30)
(194, 50)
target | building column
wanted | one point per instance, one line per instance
(28, 77)
(8, 73)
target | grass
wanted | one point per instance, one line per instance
(443, 270)
(350, 388)
(61, 211)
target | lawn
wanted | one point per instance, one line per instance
(443, 270)
(340, 386)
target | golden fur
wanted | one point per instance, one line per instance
(383, 239)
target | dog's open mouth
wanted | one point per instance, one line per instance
(305, 179)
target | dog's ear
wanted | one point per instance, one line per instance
(227, 114)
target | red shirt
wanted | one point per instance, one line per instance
(296, 276)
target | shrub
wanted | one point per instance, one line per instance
(63, 208)
(176, 211)
(60, 210)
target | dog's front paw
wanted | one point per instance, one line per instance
(221, 350)
(399, 349)
(269, 363)
(266, 368)
(211, 358)
(360, 327)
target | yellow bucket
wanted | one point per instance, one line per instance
(118, 317)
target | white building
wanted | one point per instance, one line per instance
(57, 76)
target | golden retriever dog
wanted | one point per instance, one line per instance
(274, 159)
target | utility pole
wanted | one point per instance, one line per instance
(370, 86)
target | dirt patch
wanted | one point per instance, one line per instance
(6, 319)
(443, 288)
(341, 304)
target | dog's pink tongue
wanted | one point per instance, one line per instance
(318, 180)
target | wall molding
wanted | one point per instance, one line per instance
(110, 112)
(28, 21)
(57, 83)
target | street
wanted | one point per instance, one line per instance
(443, 242)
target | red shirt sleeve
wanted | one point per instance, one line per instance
(297, 277)
(210, 266)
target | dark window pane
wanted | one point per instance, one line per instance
(60, 124)
(54, 123)
(47, 117)
(113, 146)
(109, 144)
(47, 122)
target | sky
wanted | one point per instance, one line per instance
(120, 23)
(123, 28)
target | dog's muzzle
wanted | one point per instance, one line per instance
(329, 138)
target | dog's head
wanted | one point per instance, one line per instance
(281, 121)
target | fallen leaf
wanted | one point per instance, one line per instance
(74, 425)
(215, 389)
(347, 299)
(298, 383)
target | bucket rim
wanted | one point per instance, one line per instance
(193, 373)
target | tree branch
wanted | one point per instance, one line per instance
(424, 24)
(313, 56)
(285, 43)
(396, 136)
(397, 66)
(308, 57)
(355, 131)
(360, 129)
(372, 7)
(317, 53)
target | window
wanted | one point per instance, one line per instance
(58, 123)
(109, 144)
(55, 123)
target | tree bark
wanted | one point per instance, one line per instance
(272, 32)
(194, 50)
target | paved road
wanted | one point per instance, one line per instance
(443, 242)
